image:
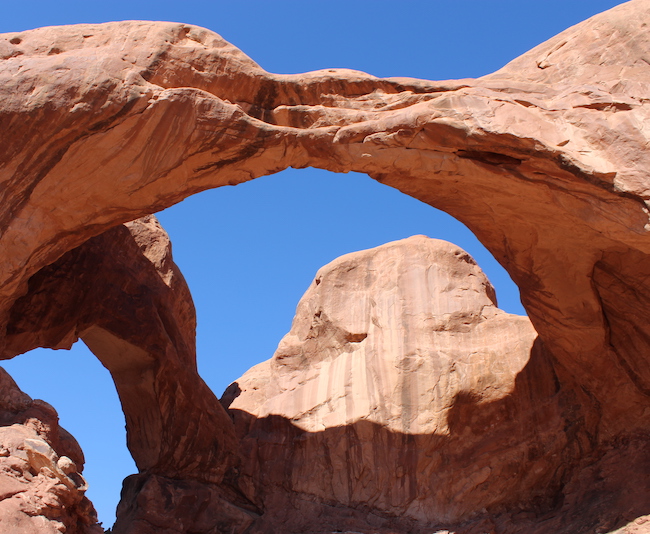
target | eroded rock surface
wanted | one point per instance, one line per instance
(545, 160)
(41, 486)
(123, 295)
(402, 392)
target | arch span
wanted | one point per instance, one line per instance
(545, 160)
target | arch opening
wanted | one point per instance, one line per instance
(82, 392)
(248, 253)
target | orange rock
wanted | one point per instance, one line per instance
(545, 160)
(41, 487)
(122, 293)
(545, 163)
(402, 389)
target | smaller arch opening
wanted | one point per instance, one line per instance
(81, 390)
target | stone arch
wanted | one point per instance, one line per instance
(326, 182)
(146, 132)
(512, 155)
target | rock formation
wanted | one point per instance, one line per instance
(403, 390)
(123, 294)
(545, 160)
(41, 487)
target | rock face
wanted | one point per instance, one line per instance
(122, 293)
(545, 160)
(41, 487)
(402, 391)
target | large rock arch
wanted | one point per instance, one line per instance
(545, 160)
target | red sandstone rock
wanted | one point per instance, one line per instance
(41, 487)
(171, 109)
(545, 160)
(122, 293)
(401, 390)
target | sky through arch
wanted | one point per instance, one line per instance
(249, 252)
(257, 246)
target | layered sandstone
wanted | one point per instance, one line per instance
(401, 391)
(545, 160)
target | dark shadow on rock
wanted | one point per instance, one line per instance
(232, 392)
(530, 462)
(622, 280)
(152, 504)
(525, 463)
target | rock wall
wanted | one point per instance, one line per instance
(545, 160)
(403, 390)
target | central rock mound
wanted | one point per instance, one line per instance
(402, 398)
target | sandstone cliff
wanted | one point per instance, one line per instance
(545, 160)
(403, 394)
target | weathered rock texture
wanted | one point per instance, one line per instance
(41, 487)
(545, 160)
(403, 390)
(122, 293)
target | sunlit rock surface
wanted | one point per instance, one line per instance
(546, 160)
(402, 389)
(41, 486)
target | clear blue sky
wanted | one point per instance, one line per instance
(249, 252)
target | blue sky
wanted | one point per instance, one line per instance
(249, 252)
